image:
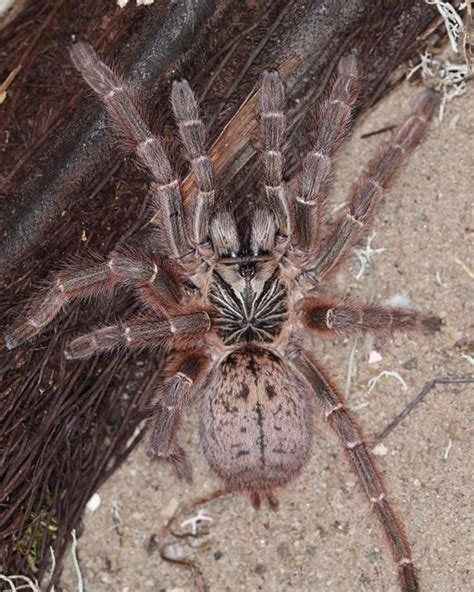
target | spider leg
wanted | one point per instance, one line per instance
(273, 126)
(156, 287)
(193, 137)
(349, 317)
(141, 332)
(363, 463)
(121, 105)
(369, 191)
(333, 128)
(167, 407)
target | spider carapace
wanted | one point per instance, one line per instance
(232, 316)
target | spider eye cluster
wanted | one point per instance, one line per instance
(247, 270)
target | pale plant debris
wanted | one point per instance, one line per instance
(365, 255)
(469, 358)
(358, 406)
(115, 509)
(452, 20)
(53, 566)
(8, 81)
(123, 3)
(29, 584)
(32, 584)
(448, 449)
(438, 279)
(391, 373)
(447, 77)
(75, 562)
(461, 264)
(194, 521)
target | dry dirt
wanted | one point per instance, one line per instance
(324, 537)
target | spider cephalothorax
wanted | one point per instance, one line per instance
(231, 313)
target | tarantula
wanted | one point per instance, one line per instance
(231, 312)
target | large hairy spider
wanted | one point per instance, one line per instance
(232, 312)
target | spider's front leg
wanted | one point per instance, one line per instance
(346, 231)
(350, 317)
(333, 127)
(363, 463)
(121, 105)
(156, 286)
(193, 136)
(184, 373)
(176, 330)
(273, 126)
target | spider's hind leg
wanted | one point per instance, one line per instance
(363, 464)
(371, 188)
(167, 407)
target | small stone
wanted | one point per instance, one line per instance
(260, 569)
(94, 503)
(218, 555)
(399, 301)
(311, 550)
(380, 449)
(174, 551)
(374, 357)
(152, 544)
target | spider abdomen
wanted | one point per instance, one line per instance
(256, 426)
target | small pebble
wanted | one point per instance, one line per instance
(94, 503)
(174, 551)
(374, 357)
(380, 450)
(399, 301)
(260, 569)
(152, 544)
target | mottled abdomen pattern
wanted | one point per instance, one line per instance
(256, 423)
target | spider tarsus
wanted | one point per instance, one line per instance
(20, 335)
(409, 578)
(431, 323)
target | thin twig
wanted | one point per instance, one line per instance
(418, 399)
(75, 561)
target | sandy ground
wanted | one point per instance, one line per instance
(324, 536)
